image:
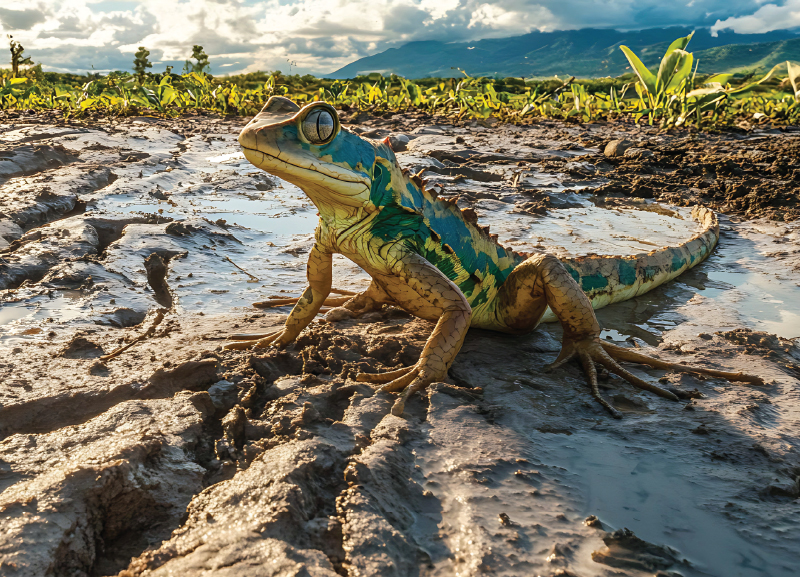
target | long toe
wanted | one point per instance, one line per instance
(400, 383)
(380, 378)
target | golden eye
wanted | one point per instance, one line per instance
(318, 126)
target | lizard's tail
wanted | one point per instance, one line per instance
(610, 279)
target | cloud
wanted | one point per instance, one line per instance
(20, 19)
(324, 35)
(766, 18)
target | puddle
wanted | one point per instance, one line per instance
(589, 229)
(662, 499)
(763, 303)
(41, 312)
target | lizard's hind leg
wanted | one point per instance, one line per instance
(542, 281)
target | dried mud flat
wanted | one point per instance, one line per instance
(178, 458)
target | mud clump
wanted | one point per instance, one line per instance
(189, 375)
(784, 352)
(714, 170)
(156, 269)
(624, 550)
(81, 348)
(617, 148)
(124, 317)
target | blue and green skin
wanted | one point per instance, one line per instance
(432, 259)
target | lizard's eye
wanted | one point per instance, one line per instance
(318, 126)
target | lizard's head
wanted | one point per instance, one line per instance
(308, 147)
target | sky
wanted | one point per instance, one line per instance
(320, 36)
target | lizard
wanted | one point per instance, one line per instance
(429, 257)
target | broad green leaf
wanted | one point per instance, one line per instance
(704, 96)
(645, 76)
(87, 103)
(794, 77)
(679, 44)
(752, 85)
(18, 81)
(704, 92)
(674, 68)
(722, 79)
(168, 95)
(682, 73)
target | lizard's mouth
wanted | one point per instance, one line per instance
(307, 170)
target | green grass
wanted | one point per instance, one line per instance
(508, 99)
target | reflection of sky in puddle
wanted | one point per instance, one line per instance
(281, 211)
(228, 157)
(613, 335)
(589, 229)
(658, 496)
(63, 306)
(258, 215)
(283, 223)
(764, 303)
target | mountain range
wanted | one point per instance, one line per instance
(583, 53)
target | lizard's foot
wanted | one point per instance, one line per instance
(260, 341)
(590, 351)
(409, 380)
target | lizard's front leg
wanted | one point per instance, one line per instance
(319, 271)
(543, 281)
(419, 287)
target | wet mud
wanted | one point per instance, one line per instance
(131, 443)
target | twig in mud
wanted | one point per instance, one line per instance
(252, 278)
(147, 334)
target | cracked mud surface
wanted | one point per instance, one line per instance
(177, 458)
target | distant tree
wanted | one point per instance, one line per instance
(141, 63)
(17, 58)
(201, 61)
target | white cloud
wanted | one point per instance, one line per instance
(768, 17)
(495, 17)
(323, 35)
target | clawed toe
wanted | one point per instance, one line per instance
(625, 354)
(405, 381)
(381, 378)
(245, 341)
(591, 352)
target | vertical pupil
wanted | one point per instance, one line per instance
(318, 126)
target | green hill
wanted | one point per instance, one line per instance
(582, 53)
(748, 58)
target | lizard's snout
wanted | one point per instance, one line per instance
(278, 109)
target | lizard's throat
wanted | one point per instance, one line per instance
(334, 213)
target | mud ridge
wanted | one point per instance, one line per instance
(43, 415)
